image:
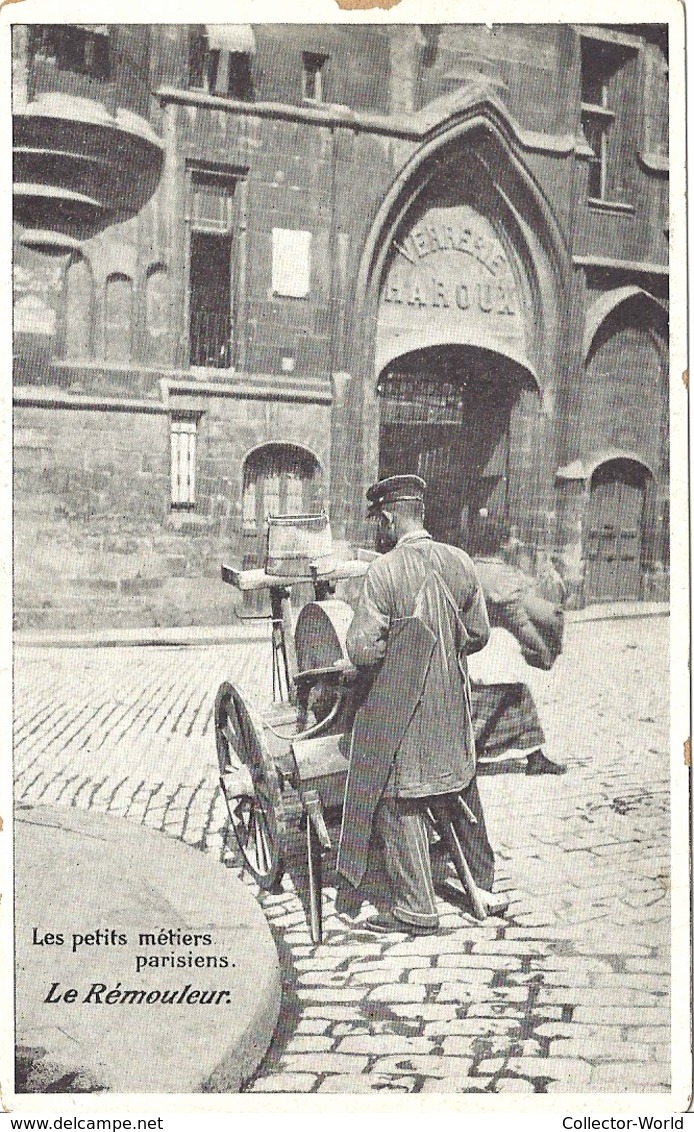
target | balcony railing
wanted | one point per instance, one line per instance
(211, 342)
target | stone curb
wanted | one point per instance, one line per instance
(192, 635)
(619, 610)
(178, 636)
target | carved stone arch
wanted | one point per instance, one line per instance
(626, 402)
(300, 449)
(484, 121)
(611, 301)
(522, 217)
(522, 254)
(598, 460)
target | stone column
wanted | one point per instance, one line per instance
(406, 41)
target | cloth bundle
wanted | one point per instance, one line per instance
(524, 608)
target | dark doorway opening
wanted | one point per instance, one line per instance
(211, 324)
(446, 415)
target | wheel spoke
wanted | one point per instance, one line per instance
(252, 839)
(242, 814)
(236, 721)
(261, 846)
(232, 747)
(246, 736)
(232, 727)
(268, 841)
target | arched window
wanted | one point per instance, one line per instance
(79, 294)
(118, 317)
(279, 479)
(157, 314)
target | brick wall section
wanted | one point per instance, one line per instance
(90, 495)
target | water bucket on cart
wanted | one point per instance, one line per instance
(295, 543)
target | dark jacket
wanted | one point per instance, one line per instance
(439, 585)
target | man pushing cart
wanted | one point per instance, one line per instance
(420, 614)
(392, 739)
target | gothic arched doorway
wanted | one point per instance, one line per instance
(463, 278)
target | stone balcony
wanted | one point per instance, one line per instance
(79, 168)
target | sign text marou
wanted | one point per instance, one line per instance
(445, 294)
(477, 278)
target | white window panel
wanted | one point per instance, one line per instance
(183, 438)
(291, 263)
(249, 505)
(272, 505)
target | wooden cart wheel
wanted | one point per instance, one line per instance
(255, 807)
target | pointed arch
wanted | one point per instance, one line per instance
(480, 135)
(483, 122)
(609, 301)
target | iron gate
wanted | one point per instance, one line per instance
(455, 434)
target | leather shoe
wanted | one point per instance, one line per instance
(386, 922)
(538, 763)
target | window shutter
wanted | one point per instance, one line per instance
(175, 465)
(190, 462)
(183, 451)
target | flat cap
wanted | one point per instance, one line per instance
(394, 489)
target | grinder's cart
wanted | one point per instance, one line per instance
(297, 747)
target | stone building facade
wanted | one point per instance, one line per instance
(256, 266)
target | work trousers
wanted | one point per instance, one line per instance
(403, 830)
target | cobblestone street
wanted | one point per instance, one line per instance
(568, 993)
